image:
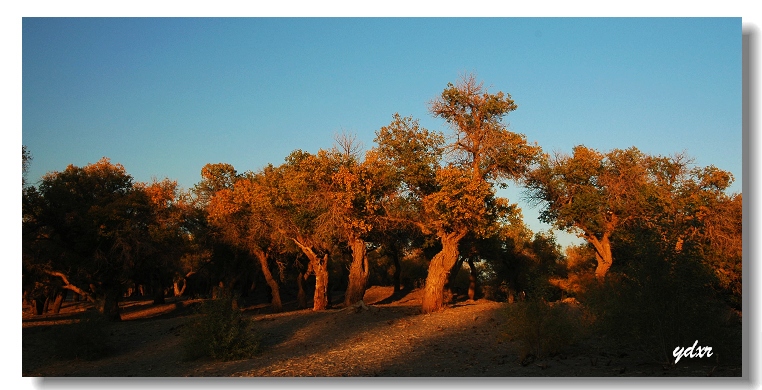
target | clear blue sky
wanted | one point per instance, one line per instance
(163, 97)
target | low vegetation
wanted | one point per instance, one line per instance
(220, 332)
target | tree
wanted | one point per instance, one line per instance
(297, 194)
(81, 228)
(166, 239)
(214, 177)
(591, 194)
(244, 217)
(451, 199)
(689, 211)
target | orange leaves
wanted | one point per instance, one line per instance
(460, 203)
(222, 205)
(160, 193)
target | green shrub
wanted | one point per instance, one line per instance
(219, 332)
(544, 329)
(87, 339)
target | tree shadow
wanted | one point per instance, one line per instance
(396, 296)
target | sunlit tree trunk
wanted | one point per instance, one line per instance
(274, 289)
(320, 267)
(358, 273)
(439, 269)
(602, 255)
(180, 290)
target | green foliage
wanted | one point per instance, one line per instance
(220, 332)
(86, 339)
(545, 329)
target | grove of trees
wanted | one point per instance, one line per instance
(413, 210)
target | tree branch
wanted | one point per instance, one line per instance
(67, 285)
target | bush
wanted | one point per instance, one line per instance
(86, 339)
(545, 329)
(664, 303)
(220, 332)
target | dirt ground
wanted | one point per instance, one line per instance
(390, 338)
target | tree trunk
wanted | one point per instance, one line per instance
(602, 255)
(397, 272)
(274, 289)
(158, 292)
(179, 290)
(320, 268)
(358, 273)
(108, 304)
(320, 301)
(439, 268)
(39, 305)
(473, 281)
(448, 293)
(301, 296)
(60, 296)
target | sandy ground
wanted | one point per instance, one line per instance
(390, 338)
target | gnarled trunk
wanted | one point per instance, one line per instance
(358, 273)
(602, 255)
(274, 289)
(320, 268)
(439, 269)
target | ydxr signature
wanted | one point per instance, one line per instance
(691, 352)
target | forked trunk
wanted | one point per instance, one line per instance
(60, 296)
(358, 273)
(180, 290)
(274, 289)
(320, 268)
(602, 255)
(439, 269)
